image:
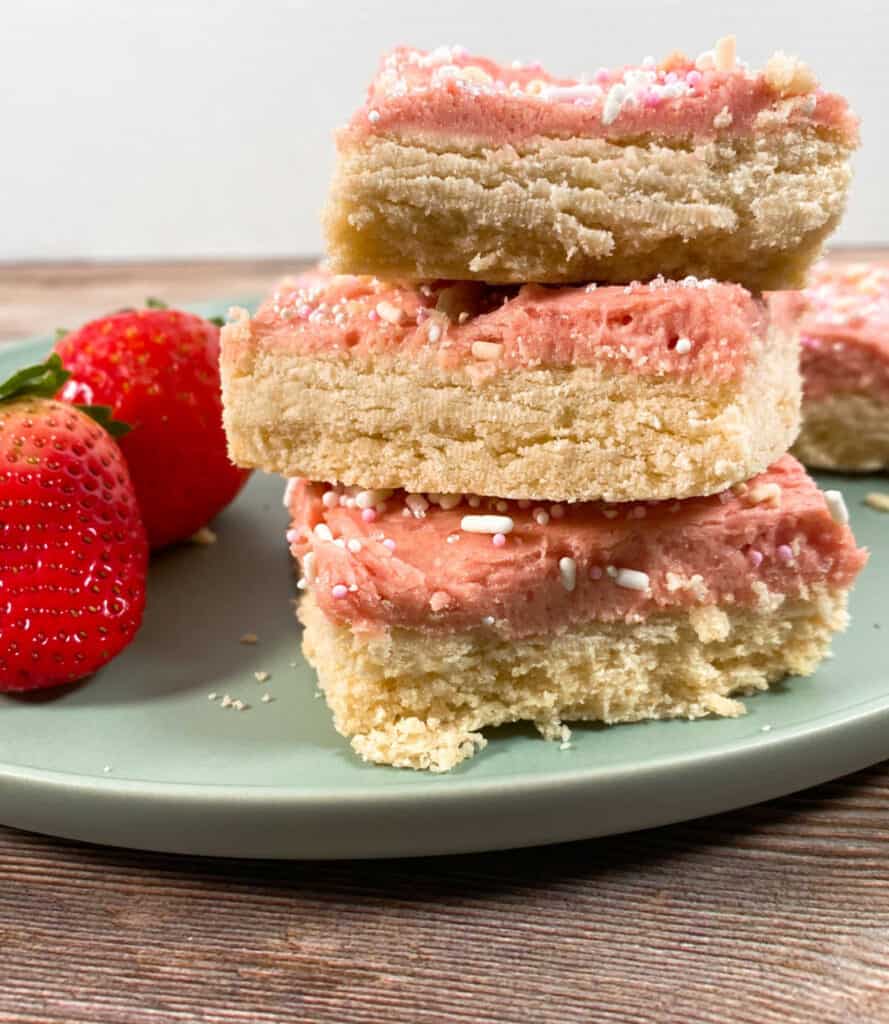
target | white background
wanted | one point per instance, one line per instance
(184, 129)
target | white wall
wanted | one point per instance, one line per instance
(166, 129)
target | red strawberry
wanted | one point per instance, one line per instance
(73, 552)
(158, 369)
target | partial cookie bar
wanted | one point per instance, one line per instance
(661, 390)
(844, 337)
(458, 167)
(430, 618)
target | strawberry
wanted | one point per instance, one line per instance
(158, 369)
(73, 552)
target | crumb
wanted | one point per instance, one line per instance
(212, 696)
(226, 701)
(318, 694)
(239, 705)
(107, 769)
(878, 500)
(293, 664)
(766, 728)
(267, 698)
(204, 536)
(261, 677)
(567, 745)
(249, 638)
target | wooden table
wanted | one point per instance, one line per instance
(778, 913)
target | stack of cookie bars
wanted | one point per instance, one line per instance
(534, 411)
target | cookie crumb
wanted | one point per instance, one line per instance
(878, 500)
(766, 728)
(204, 537)
(249, 638)
(226, 701)
(239, 705)
(261, 677)
(107, 769)
(266, 698)
(212, 696)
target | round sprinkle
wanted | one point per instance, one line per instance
(784, 553)
(568, 573)
(487, 524)
(683, 346)
(488, 620)
(541, 516)
(498, 540)
(433, 333)
(322, 531)
(292, 536)
(330, 499)
(339, 590)
(632, 579)
(354, 546)
(453, 538)
(754, 557)
(368, 515)
(373, 116)
(389, 543)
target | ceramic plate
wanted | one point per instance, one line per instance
(139, 756)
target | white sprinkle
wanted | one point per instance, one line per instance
(309, 567)
(836, 505)
(301, 584)
(417, 504)
(487, 350)
(322, 531)
(541, 516)
(330, 499)
(568, 572)
(261, 677)
(354, 546)
(487, 524)
(453, 538)
(391, 314)
(632, 579)
(433, 332)
(683, 346)
(488, 620)
(614, 101)
(266, 698)
(340, 542)
(373, 116)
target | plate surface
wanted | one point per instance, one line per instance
(140, 757)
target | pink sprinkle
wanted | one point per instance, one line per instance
(498, 540)
(389, 543)
(671, 77)
(694, 78)
(755, 558)
(595, 573)
(339, 590)
(292, 536)
(369, 515)
(373, 315)
(602, 75)
(650, 98)
(784, 553)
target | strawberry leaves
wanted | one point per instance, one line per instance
(44, 380)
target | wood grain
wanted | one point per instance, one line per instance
(778, 914)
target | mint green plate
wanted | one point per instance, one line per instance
(139, 756)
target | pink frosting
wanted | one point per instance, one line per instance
(407, 561)
(434, 92)
(701, 330)
(844, 333)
